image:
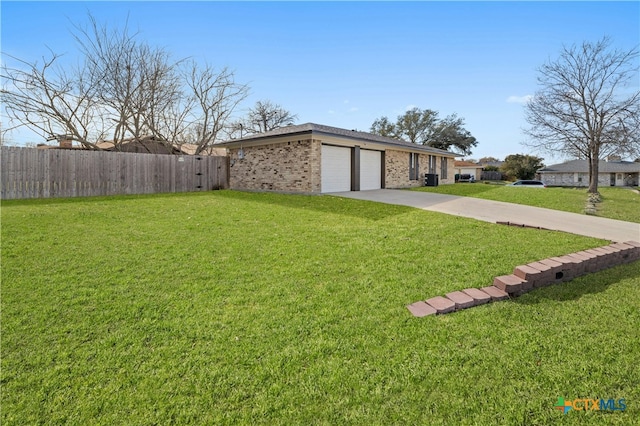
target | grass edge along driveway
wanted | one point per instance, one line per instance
(617, 203)
(239, 308)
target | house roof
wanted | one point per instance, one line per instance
(190, 149)
(45, 146)
(467, 164)
(318, 129)
(582, 166)
(185, 148)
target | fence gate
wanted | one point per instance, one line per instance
(199, 173)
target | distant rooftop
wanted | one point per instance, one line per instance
(466, 164)
(582, 166)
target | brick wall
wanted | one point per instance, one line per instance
(565, 179)
(582, 179)
(292, 166)
(397, 169)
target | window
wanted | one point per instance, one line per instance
(414, 167)
(432, 164)
(443, 168)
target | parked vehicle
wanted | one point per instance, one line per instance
(467, 178)
(529, 183)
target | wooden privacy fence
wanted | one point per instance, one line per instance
(48, 173)
(491, 175)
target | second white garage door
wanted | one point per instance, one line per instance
(370, 170)
(335, 169)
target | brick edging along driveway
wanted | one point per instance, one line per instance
(525, 278)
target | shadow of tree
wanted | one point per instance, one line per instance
(462, 189)
(322, 203)
(96, 198)
(588, 284)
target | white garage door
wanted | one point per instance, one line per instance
(370, 170)
(335, 169)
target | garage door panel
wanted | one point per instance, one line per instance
(370, 170)
(335, 169)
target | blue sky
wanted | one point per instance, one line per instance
(345, 64)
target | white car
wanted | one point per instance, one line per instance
(529, 183)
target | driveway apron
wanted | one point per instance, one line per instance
(498, 211)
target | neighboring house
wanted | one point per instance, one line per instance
(158, 147)
(190, 149)
(468, 168)
(312, 158)
(576, 173)
(143, 146)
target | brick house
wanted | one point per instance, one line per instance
(312, 158)
(614, 172)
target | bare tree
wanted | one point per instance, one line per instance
(216, 95)
(51, 102)
(585, 107)
(124, 90)
(263, 117)
(136, 83)
(4, 138)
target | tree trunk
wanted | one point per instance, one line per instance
(593, 174)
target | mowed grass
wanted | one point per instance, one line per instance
(238, 308)
(617, 203)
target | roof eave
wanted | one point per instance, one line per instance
(357, 136)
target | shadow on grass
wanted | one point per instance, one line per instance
(97, 198)
(462, 189)
(588, 284)
(322, 203)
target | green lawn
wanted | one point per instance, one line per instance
(247, 308)
(617, 203)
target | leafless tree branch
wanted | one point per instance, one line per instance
(586, 106)
(124, 90)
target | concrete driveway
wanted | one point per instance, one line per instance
(497, 211)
